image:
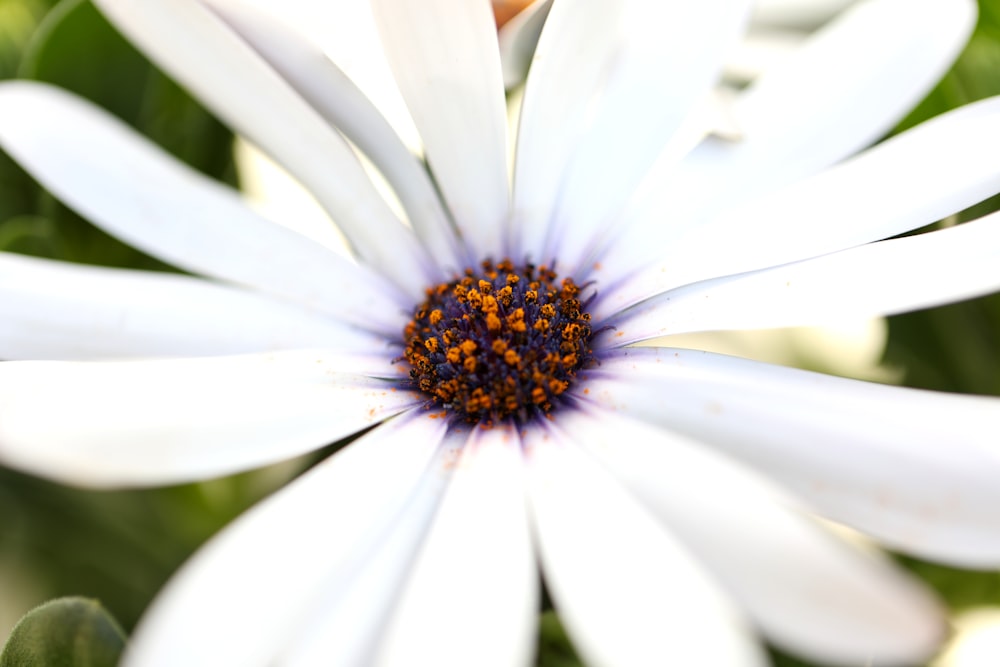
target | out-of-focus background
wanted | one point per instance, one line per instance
(120, 546)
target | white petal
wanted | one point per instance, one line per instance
(172, 420)
(446, 60)
(915, 469)
(517, 39)
(565, 74)
(761, 49)
(343, 105)
(57, 310)
(666, 61)
(137, 192)
(241, 598)
(627, 592)
(197, 49)
(850, 84)
(345, 31)
(846, 87)
(928, 173)
(351, 606)
(472, 598)
(815, 595)
(270, 190)
(881, 278)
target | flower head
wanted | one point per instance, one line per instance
(499, 344)
(668, 495)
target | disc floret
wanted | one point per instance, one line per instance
(501, 343)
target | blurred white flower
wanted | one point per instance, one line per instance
(797, 14)
(851, 348)
(777, 29)
(976, 642)
(666, 494)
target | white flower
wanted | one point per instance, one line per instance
(669, 495)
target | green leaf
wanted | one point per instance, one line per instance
(68, 632)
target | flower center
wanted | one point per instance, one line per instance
(504, 342)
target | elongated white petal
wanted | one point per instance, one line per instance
(915, 469)
(815, 595)
(137, 192)
(882, 278)
(341, 103)
(125, 423)
(269, 189)
(928, 173)
(472, 598)
(666, 61)
(846, 87)
(565, 74)
(345, 31)
(197, 49)
(445, 58)
(244, 595)
(350, 607)
(627, 592)
(57, 310)
(517, 39)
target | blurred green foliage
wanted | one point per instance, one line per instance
(120, 546)
(956, 347)
(18, 20)
(554, 648)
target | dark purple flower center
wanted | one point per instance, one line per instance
(501, 343)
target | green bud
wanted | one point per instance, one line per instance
(66, 632)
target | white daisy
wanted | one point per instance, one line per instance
(669, 495)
